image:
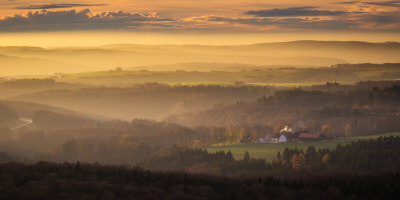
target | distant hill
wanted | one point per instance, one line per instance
(36, 60)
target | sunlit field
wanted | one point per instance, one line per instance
(269, 151)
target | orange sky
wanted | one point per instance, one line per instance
(49, 23)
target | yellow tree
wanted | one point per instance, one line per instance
(302, 160)
(325, 159)
(325, 130)
(276, 162)
(295, 162)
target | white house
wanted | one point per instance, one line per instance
(282, 138)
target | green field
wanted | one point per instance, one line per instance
(269, 151)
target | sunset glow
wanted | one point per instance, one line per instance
(192, 22)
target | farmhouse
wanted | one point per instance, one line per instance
(310, 137)
(282, 138)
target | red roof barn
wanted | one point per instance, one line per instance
(310, 136)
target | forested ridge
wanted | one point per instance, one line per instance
(347, 110)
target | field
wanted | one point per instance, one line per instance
(269, 151)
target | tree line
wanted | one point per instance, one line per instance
(77, 180)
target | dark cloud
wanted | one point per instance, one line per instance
(61, 5)
(289, 23)
(384, 19)
(294, 12)
(347, 2)
(45, 20)
(385, 3)
(79, 20)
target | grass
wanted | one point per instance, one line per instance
(269, 151)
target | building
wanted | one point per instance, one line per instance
(268, 137)
(310, 137)
(282, 138)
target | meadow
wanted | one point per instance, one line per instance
(269, 151)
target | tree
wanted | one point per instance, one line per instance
(295, 162)
(229, 156)
(325, 159)
(246, 157)
(348, 130)
(278, 155)
(219, 135)
(302, 160)
(276, 162)
(232, 135)
(286, 154)
(325, 129)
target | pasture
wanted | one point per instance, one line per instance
(269, 151)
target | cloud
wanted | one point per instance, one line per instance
(294, 12)
(257, 24)
(383, 21)
(61, 5)
(346, 2)
(305, 18)
(384, 3)
(81, 20)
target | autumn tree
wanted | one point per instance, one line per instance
(302, 160)
(325, 159)
(325, 130)
(295, 162)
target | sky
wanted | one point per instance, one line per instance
(220, 22)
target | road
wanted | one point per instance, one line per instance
(27, 122)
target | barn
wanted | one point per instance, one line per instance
(310, 137)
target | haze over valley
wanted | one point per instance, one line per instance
(218, 99)
(37, 60)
